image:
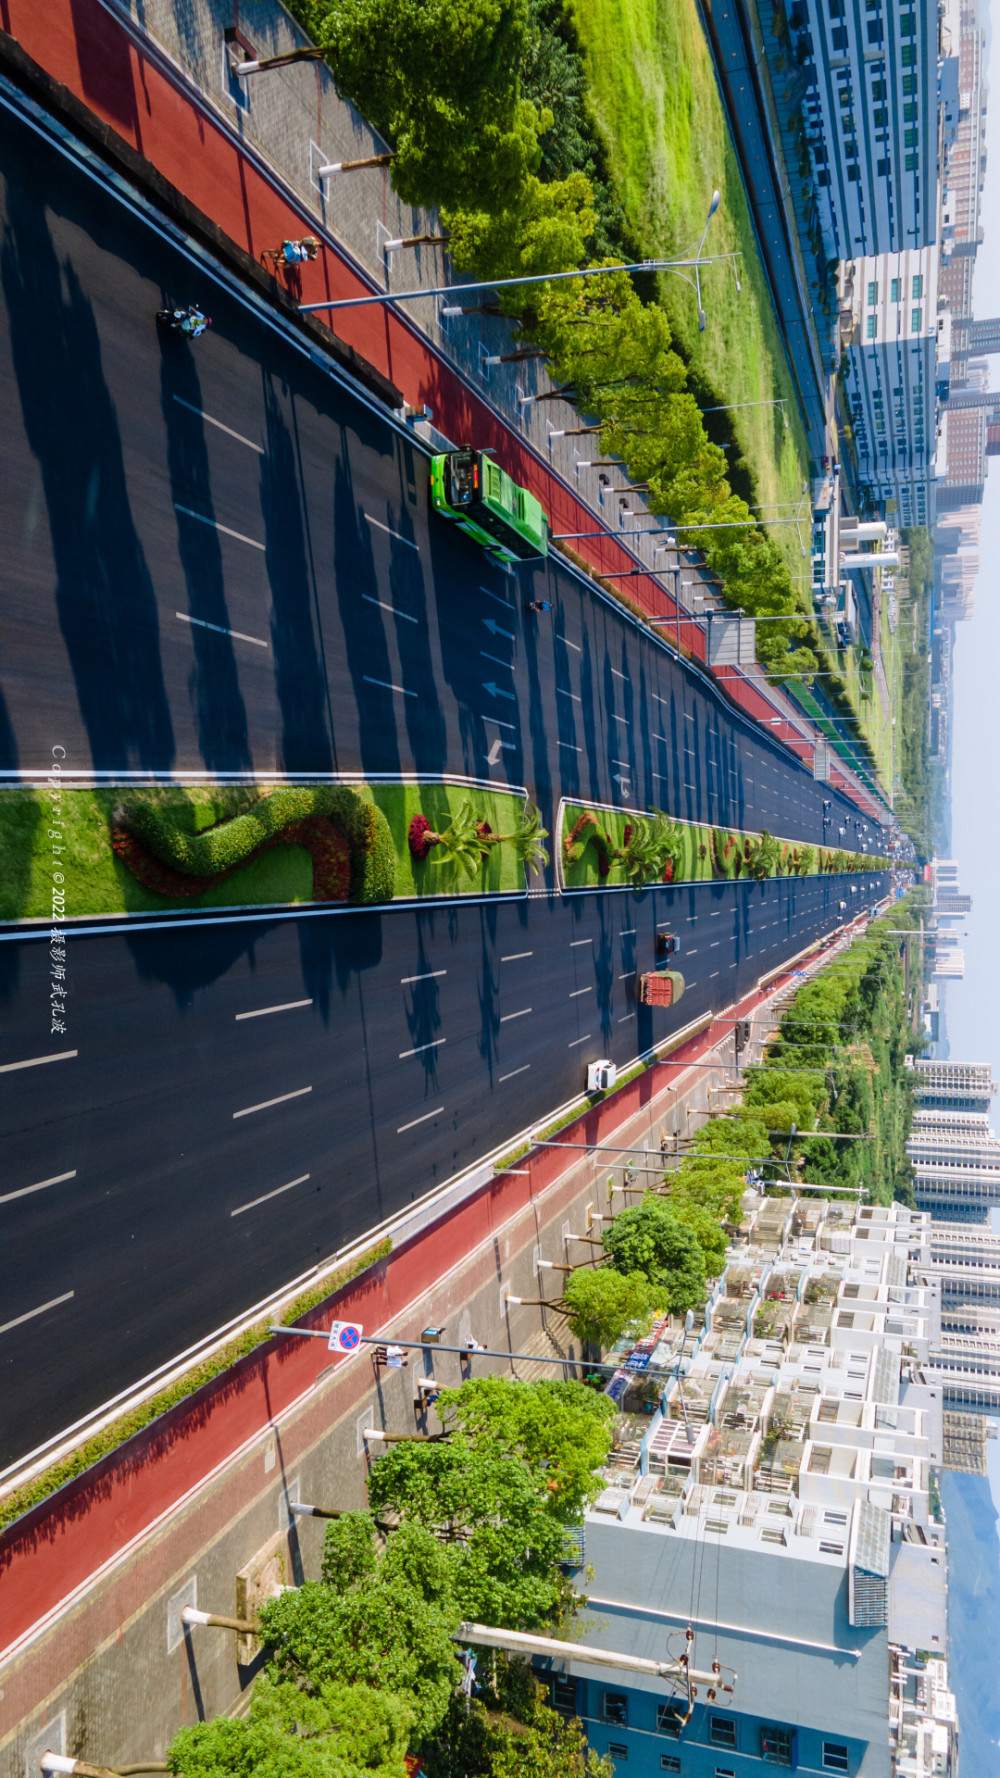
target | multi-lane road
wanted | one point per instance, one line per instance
(220, 560)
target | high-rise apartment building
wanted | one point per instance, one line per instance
(893, 345)
(953, 1086)
(871, 120)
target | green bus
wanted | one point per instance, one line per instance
(470, 488)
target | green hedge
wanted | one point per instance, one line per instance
(103, 1443)
(231, 843)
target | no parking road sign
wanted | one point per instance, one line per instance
(345, 1336)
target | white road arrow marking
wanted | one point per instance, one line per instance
(491, 624)
(496, 692)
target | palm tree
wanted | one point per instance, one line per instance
(460, 842)
(527, 838)
(639, 855)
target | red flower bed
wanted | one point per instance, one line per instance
(417, 840)
(326, 845)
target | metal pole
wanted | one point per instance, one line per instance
(312, 1333)
(518, 1643)
(591, 271)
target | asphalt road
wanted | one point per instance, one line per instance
(217, 559)
(245, 1099)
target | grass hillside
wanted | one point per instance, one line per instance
(652, 90)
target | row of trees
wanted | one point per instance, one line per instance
(363, 1669)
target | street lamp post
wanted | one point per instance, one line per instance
(681, 267)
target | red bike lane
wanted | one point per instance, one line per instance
(131, 86)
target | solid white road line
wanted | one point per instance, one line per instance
(387, 686)
(496, 596)
(625, 1016)
(576, 1040)
(267, 1195)
(623, 719)
(570, 644)
(26, 1190)
(261, 1012)
(433, 1045)
(404, 980)
(265, 1104)
(220, 629)
(578, 991)
(521, 1070)
(6, 1326)
(390, 532)
(36, 1061)
(574, 943)
(562, 693)
(228, 429)
(508, 666)
(617, 674)
(515, 1015)
(496, 720)
(515, 956)
(384, 607)
(570, 747)
(627, 932)
(202, 519)
(419, 1120)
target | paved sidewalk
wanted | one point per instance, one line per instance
(249, 168)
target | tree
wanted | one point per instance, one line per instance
(545, 228)
(527, 838)
(510, 1732)
(386, 1624)
(648, 1239)
(439, 79)
(560, 1430)
(460, 842)
(337, 1731)
(706, 1229)
(605, 1305)
(506, 1539)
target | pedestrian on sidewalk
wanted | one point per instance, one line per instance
(293, 252)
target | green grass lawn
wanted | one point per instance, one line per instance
(96, 882)
(652, 87)
(584, 873)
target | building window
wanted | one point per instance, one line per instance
(838, 38)
(918, 287)
(852, 172)
(669, 1719)
(883, 168)
(835, 1757)
(831, 1549)
(908, 54)
(907, 25)
(872, 295)
(909, 83)
(618, 1752)
(777, 1746)
(916, 323)
(880, 117)
(669, 1762)
(830, 1518)
(878, 89)
(894, 289)
(722, 1731)
(564, 1695)
(874, 30)
(614, 1708)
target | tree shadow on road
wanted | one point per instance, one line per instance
(104, 592)
(300, 674)
(215, 692)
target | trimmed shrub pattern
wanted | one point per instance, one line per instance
(291, 812)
